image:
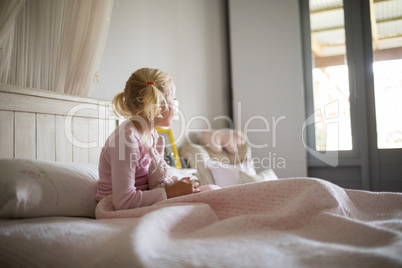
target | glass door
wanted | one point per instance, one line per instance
(386, 34)
(353, 85)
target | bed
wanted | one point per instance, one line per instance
(50, 146)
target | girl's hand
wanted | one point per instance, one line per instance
(184, 186)
(158, 168)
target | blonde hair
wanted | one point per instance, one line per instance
(145, 94)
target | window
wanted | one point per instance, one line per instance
(331, 94)
(330, 76)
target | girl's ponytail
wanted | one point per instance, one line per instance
(119, 106)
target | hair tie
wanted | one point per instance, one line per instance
(150, 83)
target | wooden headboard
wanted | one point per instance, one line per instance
(40, 124)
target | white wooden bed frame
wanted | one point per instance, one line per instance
(44, 125)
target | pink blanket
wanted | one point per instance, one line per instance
(289, 222)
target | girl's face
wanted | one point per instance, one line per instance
(167, 115)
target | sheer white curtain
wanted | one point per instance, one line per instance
(53, 44)
(9, 9)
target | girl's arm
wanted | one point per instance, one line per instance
(123, 163)
(158, 173)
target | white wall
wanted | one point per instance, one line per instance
(185, 38)
(268, 82)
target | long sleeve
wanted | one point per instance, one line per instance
(125, 194)
(123, 172)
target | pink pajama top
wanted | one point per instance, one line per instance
(123, 170)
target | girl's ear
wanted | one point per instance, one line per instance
(164, 107)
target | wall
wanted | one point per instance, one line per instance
(184, 38)
(268, 82)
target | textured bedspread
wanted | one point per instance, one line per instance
(298, 222)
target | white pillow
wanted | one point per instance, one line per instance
(265, 175)
(228, 175)
(37, 188)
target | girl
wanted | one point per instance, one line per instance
(124, 160)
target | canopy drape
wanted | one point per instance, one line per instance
(53, 44)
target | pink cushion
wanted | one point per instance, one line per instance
(228, 175)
